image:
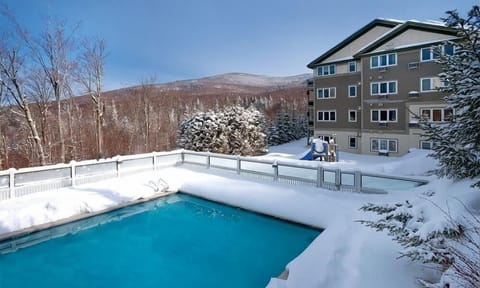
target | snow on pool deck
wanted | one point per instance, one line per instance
(346, 254)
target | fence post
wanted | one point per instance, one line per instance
(11, 182)
(319, 176)
(357, 180)
(182, 156)
(239, 164)
(118, 161)
(154, 161)
(338, 179)
(208, 160)
(275, 170)
(73, 173)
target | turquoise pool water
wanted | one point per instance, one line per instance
(177, 241)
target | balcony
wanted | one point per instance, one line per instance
(310, 83)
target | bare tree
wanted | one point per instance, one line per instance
(53, 51)
(91, 76)
(11, 65)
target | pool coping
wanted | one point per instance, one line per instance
(77, 217)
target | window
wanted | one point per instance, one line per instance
(352, 67)
(352, 142)
(430, 53)
(389, 145)
(383, 115)
(325, 93)
(326, 70)
(426, 145)
(382, 88)
(326, 116)
(430, 84)
(448, 49)
(437, 114)
(383, 60)
(352, 115)
(352, 91)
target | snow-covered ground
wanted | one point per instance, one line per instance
(346, 254)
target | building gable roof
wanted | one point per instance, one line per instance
(351, 38)
(416, 25)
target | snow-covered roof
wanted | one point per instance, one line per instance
(397, 27)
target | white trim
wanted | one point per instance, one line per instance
(430, 117)
(356, 91)
(387, 60)
(330, 90)
(356, 116)
(379, 148)
(329, 114)
(388, 116)
(356, 142)
(435, 84)
(388, 85)
(425, 142)
(327, 69)
(354, 63)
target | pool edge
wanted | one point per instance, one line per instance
(77, 217)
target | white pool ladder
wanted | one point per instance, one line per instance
(158, 186)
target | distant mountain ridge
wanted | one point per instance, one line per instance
(234, 82)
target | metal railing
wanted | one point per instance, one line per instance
(17, 183)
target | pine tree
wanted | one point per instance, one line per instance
(457, 142)
(234, 130)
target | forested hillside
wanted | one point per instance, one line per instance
(137, 119)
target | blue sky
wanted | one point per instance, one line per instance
(184, 39)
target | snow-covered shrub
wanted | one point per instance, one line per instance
(234, 130)
(411, 226)
(432, 235)
(457, 142)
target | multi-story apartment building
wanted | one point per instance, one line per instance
(368, 91)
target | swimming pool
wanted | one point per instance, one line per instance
(176, 241)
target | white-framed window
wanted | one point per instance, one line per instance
(352, 90)
(426, 145)
(352, 142)
(326, 93)
(431, 53)
(436, 114)
(383, 60)
(352, 66)
(377, 144)
(326, 115)
(326, 70)
(383, 115)
(430, 84)
(383, 88)
(352, 115)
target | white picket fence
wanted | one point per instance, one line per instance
(17, 183)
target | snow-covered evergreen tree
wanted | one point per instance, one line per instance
(286, 128)
(457, 143)
(234, 130)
